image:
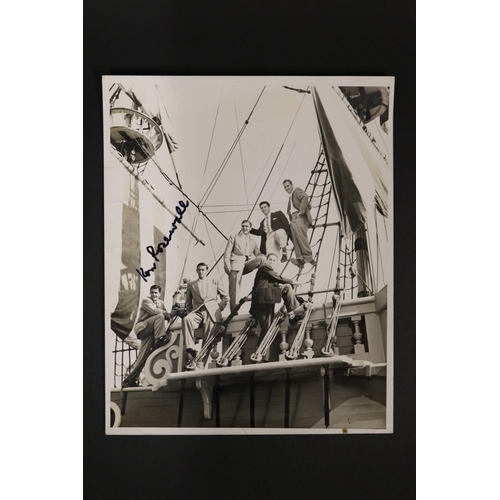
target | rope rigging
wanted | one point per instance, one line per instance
(241, 153)
(212, 247)
(319, 181)
(237, 219)
(212, 184)
(267, 178)
(146, 184)
(323, 199)
(195, 222)
(315, 173)
(278, 155)
(169, 140)
(172, 183)
(167, 178)
(283, 205)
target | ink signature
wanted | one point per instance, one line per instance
(180, 209)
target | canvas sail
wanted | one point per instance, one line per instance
(357, 170)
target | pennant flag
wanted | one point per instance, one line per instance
(171, 144)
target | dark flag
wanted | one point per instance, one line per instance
(124, 316)
(350, 204)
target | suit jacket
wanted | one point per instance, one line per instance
(195, 299)
(148, 309)
(266, 288)
(300, 202)
(236, 253)
(278, 221)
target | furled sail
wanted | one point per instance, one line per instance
(356, 168)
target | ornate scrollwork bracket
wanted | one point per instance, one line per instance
(160, 363)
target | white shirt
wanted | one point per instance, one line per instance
(203, 285)
(247, 243)
(267, 224)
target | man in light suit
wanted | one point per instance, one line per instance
(150, 326)
(202, 307)
(274, 231)
(241, 257)
(300, 221)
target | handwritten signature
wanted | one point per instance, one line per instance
(180, 209)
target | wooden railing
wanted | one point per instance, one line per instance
(358, 335)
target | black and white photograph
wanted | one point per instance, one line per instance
(248, 254)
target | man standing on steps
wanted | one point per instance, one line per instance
(150, 326)
(241, 257)
(274, 231)
(300, 222)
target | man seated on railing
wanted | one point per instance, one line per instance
(268, 289)
(202, 308)
(150, 326)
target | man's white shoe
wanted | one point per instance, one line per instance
(133, 341)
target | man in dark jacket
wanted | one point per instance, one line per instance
(274, 231)
(268, 289)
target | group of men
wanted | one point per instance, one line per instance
(242, 256)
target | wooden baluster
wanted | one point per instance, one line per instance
(308, 342)
(214, 354)
(284, 345)
(237, 359)
(359, 347)
(335, 348)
